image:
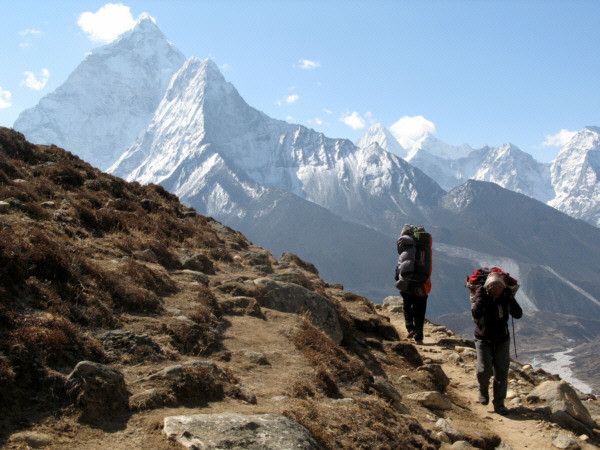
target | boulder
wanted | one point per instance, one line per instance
(31, 439)
(290, 258)
(431, 400)
(198, 263)
(394, 304)
(116, 342)
(387, 390)
(292, 298)
(407, 351)
(561, 441)
(436, 375)
(562, 399)
(98, 390)
(231, 430)
(450, 431)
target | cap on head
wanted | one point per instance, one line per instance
(494, 279)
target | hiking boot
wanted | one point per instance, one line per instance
(502, 410)
(483, 399)
(410, 334)
(419, 341)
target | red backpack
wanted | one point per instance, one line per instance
(475, 281)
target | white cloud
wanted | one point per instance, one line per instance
(559, 139)
(289, 118)
(5, 99)
(354, 120)
(292, 98)
(318, 121)
(408, 130)
(29, 31)
(308, 64)
(32, 82)
(107, 23)
(326, 111)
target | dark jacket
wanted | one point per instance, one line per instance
(491, 316)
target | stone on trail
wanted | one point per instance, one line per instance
(231, 430)
(431, 400)
(562, 400)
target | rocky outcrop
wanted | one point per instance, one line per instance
(230, 430)
(292, 298)
(564, 404)
(97, 390)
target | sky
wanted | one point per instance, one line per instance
(468, 72)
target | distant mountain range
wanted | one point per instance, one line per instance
(570, 183)
(136, 108)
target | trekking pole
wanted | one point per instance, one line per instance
(514, 336)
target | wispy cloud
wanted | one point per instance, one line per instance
(107, 23)
(308, 64)
(5, 97)
(30, 31)
(408, 129)
(292, 98)
(354, 120)
(327, 111)
(35, 83)
(559, 139)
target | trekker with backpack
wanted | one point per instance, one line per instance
(492, 304)
(413, 277)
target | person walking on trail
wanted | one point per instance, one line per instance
(492, 305)
(413, 287)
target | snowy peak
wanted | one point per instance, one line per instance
(384, 138)
(435, 147)
(576, 176)
(108, 99)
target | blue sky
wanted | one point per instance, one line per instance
(475, 72)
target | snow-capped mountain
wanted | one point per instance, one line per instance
(438, 148)
(384, 138)
(576, 176)
(108, 99)
(203, 122)
(451, 166)
(513, 169)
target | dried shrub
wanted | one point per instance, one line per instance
(220, 254)
(49, 340)
(198, 385)
(371, 424)
(143, 275)
(324, 354)
(194, 339)
(125, 295)
(65, 175)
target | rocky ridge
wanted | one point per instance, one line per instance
(130, 321)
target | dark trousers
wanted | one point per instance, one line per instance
(493, 360)
(414, 313)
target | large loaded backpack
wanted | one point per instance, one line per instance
(423, 242)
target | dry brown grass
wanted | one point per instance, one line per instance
(333, 365)
(362, 424)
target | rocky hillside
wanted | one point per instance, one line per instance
(130, 321)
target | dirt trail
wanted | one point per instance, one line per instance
(521, 429)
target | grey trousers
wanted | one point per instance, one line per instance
(493, 360)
